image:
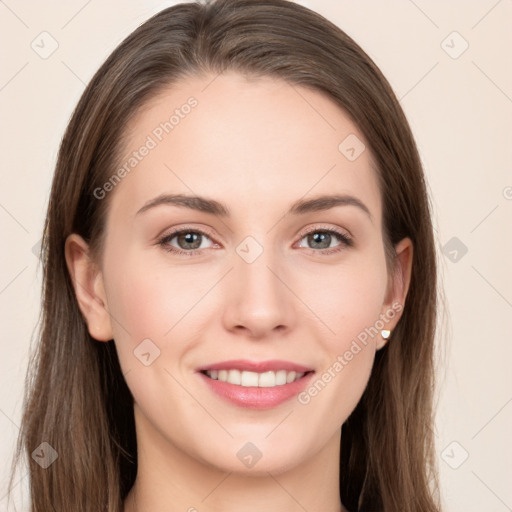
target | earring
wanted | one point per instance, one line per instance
(385, 333)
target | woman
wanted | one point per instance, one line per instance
(239, 278)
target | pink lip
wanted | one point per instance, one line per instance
(257, 366)
(256, 397)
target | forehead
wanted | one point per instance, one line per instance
(251, 143)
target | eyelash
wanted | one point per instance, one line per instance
(345, 240)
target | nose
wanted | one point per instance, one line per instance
(259, 303)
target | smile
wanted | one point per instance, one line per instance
(256, 384)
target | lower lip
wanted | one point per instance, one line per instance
(256, 397)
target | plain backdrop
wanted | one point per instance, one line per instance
(449, 64)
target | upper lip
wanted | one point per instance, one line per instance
(256, 366)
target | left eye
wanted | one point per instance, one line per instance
(322, 239)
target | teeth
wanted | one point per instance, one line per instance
(248, 378)
(267, 380)
(290, 377)
(252, 379)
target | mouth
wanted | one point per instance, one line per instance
(256, 385)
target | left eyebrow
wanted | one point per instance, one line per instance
(326, 202)
(299, 207)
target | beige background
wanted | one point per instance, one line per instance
(459, 107)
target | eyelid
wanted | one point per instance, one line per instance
(178, 230)
(326, 227)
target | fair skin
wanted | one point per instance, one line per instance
(256, 146)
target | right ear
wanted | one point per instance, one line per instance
(88, 285)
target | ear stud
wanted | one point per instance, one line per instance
(385, 333)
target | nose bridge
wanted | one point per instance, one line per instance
(256, 266)
(256, 269)
(259, 300)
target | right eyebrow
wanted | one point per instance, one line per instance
(193, 202)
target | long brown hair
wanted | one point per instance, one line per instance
(76, 396)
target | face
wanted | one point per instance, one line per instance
(256, 283)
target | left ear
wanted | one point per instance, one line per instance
(398, 286)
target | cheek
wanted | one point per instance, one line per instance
(150, 301)
(347, 300)
(350, 307)
(146, 299)
(144, 306)
(136, 306)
